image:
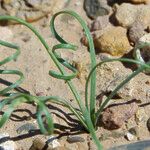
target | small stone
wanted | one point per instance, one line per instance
(125, 14)
(148, 124)
(134, 131)
(95, 8)
(74, 139)
(100, 23)
(37, 144)
(26, 127)
(140, 115)
(129, 136)
(114, 117)
(136, 31)
(114, 41)
(7, 144)
(51, 144)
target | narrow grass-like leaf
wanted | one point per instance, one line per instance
(42, 110)
(63, 102)
(13, 56)
(10, 109)
(14, 72)
(92, 55)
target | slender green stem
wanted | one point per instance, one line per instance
(92, 55)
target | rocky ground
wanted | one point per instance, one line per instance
(117, 27)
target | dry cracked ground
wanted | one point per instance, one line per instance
(116, 28)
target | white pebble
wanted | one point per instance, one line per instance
(129, 136)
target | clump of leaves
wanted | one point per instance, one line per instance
(87, 113)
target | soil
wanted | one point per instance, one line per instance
(35, 63)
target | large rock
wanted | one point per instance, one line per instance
(114, 41)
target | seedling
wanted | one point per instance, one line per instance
(87, 114)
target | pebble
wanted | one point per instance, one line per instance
(136, 31)
(140, 115)
(114, 117)
(125, 14)
(26, 127)
(130, 136)
(100, 23)
(95, 8)
(134, 131)
(53, 142)
(114, 41)
(7, 144)
(148, 124)
(39, 143)
(74, 139)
